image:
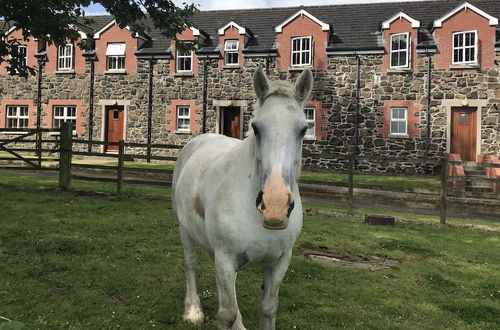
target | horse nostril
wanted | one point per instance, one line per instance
(290, 209)
(259, 199)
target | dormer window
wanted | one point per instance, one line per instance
(184, 61)
(23, 53)
(465, 47)
(302, 51)
(65, 57)
(400, 50)
(115, 56)
(231, 52)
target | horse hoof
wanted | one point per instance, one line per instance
(194, 315)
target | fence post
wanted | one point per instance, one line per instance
(350, 192)
(444, 189)
(66, 135)
(121, 157)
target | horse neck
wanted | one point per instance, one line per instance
(246, 159)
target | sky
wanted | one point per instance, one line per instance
(240, 4)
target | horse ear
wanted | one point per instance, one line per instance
(304, 84)
(260, 83)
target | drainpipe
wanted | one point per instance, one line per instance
(267, 63)
(90, 124)
(41, 61)
(356, 119)
(428, 112)
(150, 107)
(205, 84)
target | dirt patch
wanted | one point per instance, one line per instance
(323, 254)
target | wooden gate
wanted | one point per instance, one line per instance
(464, 132)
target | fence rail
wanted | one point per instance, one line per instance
(66, 146)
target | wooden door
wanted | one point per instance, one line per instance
(114, 125)
(464, 132)
(231, 122)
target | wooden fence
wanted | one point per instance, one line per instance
(64, 146)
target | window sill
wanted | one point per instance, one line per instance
(464, 66)
(115, 71)
(59, 133)
(65, 71)
(231, 66)
(183, 132)
(300, 68)
(184, 74)
(15, 133)
(399, 70)
(309, 138)
(399, 136)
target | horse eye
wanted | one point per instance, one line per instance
(255, 129)
(303, 131)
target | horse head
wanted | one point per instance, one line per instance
(279, 127)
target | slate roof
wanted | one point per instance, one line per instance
(354, 26)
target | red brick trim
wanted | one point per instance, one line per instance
(194, 116)
(31, 50)
(186, 35)
(400, 26)
(465, 20)
(31, 111)
(492, 172)
(53, 56)
(302, 26)
(47, 119)
(413, 117)
(232, 33)
(321, 119)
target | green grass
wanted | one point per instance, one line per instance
(97, 262)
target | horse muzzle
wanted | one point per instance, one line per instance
(275, 209)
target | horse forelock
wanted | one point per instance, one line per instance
(278, 88)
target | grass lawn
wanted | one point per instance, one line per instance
(94, 262)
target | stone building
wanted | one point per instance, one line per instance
(371, 62)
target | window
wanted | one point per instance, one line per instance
(184, 60)
(17, 116)
(64, 114)
(311, 121)
(23, 52)
(183, 118)
(399, 121)
(231, 52)
(301, 51)
(115, 56)
(465, 47)
(65, 57)
(400, 50)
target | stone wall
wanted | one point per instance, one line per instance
(334, 89)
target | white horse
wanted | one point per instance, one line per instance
(239, 199)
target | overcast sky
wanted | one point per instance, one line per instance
(238, 4)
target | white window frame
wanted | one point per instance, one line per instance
(65, 117)
(300, 51)
(399, 120)
(183, 56)
(17, 116)
(23, 64)
(463, 48)
(228, 51)
(310, 121)
(187, 117)
(407, 50)
(116, 62)
(65, 57)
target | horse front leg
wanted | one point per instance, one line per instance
(192, 311)
(273, 276)
(228, 315)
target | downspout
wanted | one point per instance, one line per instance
(356, 119)
(267, 63)
(150, 108)
(91, 103)
(428, 112)
(41, 61)
(204, 114)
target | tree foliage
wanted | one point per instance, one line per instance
(55, 21)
